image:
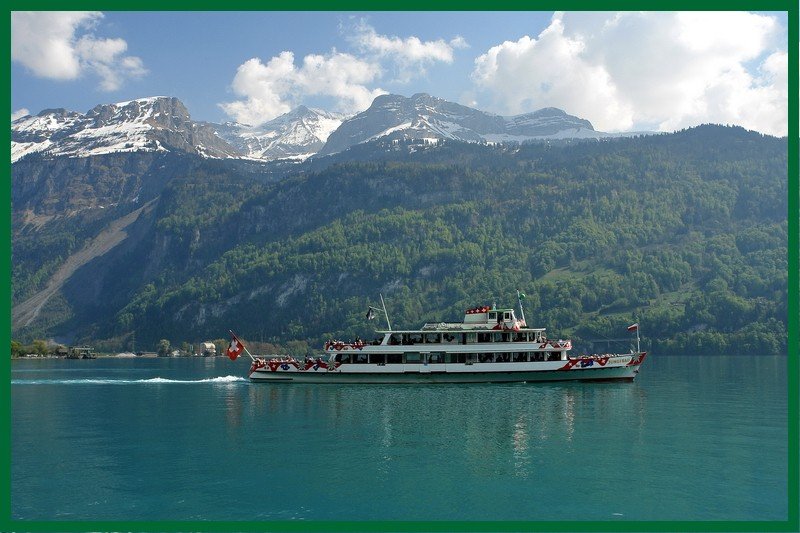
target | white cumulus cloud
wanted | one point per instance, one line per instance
(351, 80)
(60, 46)
(274, 88)
(646, 70)
(411, 55)
(19, 113)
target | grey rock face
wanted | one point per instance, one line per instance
(146, 124)
(424, 116)
(295, 135)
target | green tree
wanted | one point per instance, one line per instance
(163, 347)
(40, 346)
(16, 349)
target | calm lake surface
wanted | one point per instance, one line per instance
(693, 438)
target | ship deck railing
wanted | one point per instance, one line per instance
(456, 326)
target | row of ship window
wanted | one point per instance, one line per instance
(407, 339)
(437, 358)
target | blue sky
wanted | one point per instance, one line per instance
(622, 71)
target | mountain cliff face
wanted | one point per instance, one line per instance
(157, 124)
(686, 232)
(163, 124)
(427, 117)
(296, 135)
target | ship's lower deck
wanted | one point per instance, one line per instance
(457, 373)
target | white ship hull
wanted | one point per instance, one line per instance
(614, 368)
(489, 346)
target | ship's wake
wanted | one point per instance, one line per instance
(151, 381)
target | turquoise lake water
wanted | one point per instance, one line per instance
(693, 438)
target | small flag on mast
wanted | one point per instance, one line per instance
(370, 313)
(633, 327)
(236, 347)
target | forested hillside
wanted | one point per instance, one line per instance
(685, 233)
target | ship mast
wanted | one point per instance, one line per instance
(520, 296)
(385, 313)
(637, 339)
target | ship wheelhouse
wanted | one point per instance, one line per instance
(484, 336)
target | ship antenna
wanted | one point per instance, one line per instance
(385, 313)
(638, 350)
(520, 297)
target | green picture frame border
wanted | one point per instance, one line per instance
(792, 524)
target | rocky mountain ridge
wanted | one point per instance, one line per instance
(296, 135)
(423, 116)
(154, 124)
(163, 124)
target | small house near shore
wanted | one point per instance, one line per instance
(81, 352)
(208, 349)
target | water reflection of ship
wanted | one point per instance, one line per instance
(518, 425)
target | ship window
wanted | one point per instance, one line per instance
(456, 358)
(412, 358)
(406, 339)
(343, 358)
(553, 356)
(437, 357)
(415, 338)
(395, 339)
(502, 357)
(394, 359)
(492, 316)
(520, 336)
(520, 357)
(451, 338)
(360, 358)
(506, 316)
(377, 358)
(485, 357)
(497, 336)
(538, 356)
(432, 338)
(484, 337)
(471, 358)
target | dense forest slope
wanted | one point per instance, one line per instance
(685, 233)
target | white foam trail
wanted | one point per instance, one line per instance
(89, 381)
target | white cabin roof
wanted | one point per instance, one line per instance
(478, 319)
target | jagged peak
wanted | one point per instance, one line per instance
(145, 100)
(383, 99)
(550, 111)
(59, 111)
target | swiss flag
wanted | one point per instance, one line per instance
(633, 327)
(236, 347)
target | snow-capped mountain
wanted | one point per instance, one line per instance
(143, 125)
(427, 117)
(297, 134)
(163, 124)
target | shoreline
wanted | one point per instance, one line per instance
(113, 356)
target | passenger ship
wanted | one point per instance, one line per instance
(489, 345)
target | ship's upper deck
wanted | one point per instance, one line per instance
(477, 319)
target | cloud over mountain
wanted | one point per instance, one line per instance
(350, 80)
(410, 56)
(274, 88)
(644, 69)
(61, 46)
